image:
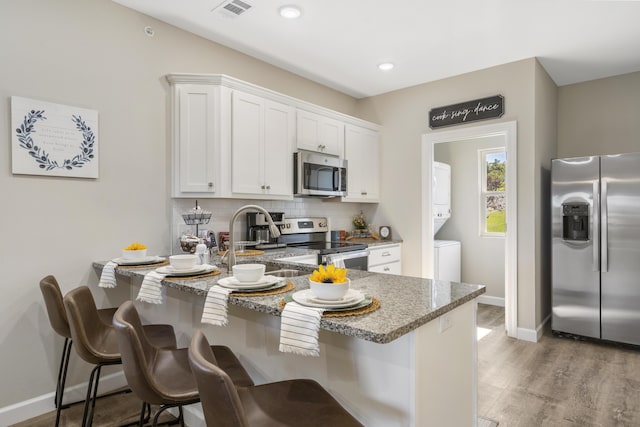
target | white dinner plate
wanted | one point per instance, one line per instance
(351, 296)
(233, 283)
(196, 269)
(140, 261)
(306, 297)
(280, 284)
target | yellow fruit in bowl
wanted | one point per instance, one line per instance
(134, 251)
(135, 246)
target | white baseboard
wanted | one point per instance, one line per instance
(531, 335)
(486, 299)
(42, 404)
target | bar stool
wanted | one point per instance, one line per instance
(163, 376)
(282, 403)
(96, 341)
(60, 324)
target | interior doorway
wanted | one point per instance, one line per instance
(506, 131)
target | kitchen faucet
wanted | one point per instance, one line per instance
(231, 257)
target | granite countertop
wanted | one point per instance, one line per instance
(405, 302)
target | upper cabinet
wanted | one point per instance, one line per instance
(316, 132)
(233, 139)
(262, 134)
(361, 150)
(196, 148)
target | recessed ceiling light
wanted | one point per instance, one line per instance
(290, 12)
(386, 66)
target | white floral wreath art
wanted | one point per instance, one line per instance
(42, 157)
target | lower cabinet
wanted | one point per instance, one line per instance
(386, 258)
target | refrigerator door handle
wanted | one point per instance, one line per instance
(596, 228)
(604, 240)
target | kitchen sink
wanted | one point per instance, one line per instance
(283, 272)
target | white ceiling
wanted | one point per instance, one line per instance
(340, 42)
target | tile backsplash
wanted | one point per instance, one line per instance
(340, 214)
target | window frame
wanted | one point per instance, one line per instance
(484, 193)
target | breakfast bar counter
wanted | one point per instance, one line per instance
(412, 362)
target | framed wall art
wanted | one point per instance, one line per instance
(53, 139)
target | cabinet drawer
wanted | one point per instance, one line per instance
(385, 254)
(389, 268)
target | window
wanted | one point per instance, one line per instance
(493, 202)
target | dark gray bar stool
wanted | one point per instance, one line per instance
(162, 376)
(283, 403)
(96, 342)
(60, 324)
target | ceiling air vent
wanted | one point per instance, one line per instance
(233, 8)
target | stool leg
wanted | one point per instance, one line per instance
(62, 378)
(90, 401)
(143, 413)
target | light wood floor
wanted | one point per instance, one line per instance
(110, 411)
(556, 382)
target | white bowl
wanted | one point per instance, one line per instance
(183, 262)
(248, 272)
(137, 254)
(329, 291)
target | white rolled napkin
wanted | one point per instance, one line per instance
(215, 306)
(299, 329)
(151, 290)
(108, 275)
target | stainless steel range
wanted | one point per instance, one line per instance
(313, 233)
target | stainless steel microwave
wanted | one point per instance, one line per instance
(318, 175)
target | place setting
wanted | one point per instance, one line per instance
(247, 280)
(181, 267)
(132, 256)
(186, 266)
(329, 295)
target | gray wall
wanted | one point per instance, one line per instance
(403, 114)
(94, 54)
(599, 117)
(482, 257)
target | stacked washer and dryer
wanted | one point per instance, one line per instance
(446, 262)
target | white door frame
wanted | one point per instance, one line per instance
(509, 131)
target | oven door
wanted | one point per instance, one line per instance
(354, 260)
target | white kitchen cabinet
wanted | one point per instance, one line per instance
(196, 149)
(233, 139)
(262, 133)
(315, 132)
(386, 258)
(361, 150)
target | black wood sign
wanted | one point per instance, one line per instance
(465, 112)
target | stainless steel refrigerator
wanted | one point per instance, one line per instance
(596, 247)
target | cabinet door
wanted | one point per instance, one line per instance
(278, 149)
(332, 136)
(247, 143)
(194, 149)
(319, 133)
(361, 152)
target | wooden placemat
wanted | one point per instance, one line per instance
(246, 252)
(375, 304)
(288, 287)
(154, 265)
(196, 276)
